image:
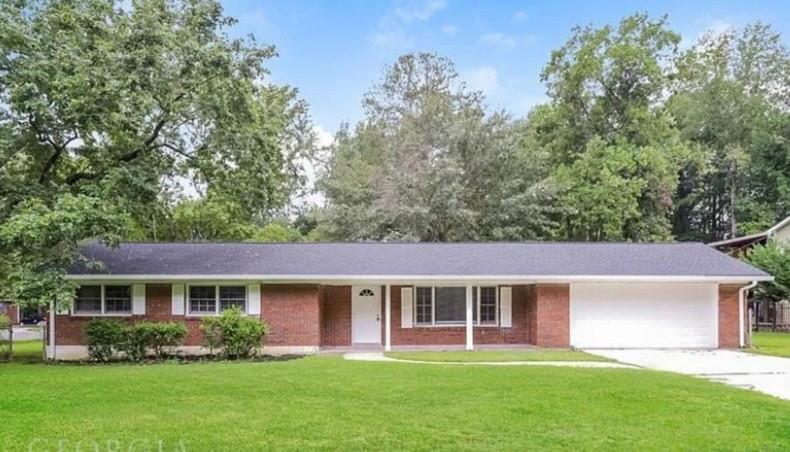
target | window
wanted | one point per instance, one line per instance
(117, 299)
(211, 300)
(424, 305)
(103, 300)
(488, 306)
(451, 304)
(447, 305)
(366, 293)
(202, 300)
(230, 296)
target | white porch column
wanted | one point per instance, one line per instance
(388, 317)
(469, 331)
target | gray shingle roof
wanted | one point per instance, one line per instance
(415, 259)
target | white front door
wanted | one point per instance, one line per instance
(366, 314)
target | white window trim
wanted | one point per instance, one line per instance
(217, 312)
(104, 312)
(435, 324)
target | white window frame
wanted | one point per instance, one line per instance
(104, 312)
(435, 324)
(217, 311)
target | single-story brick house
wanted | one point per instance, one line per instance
(325, 295)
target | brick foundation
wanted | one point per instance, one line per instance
(549, 315)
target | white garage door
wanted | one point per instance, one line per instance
(644, 315)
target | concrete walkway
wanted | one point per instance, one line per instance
(377, 356)
(766, 374)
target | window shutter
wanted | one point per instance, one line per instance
(406, 310)
(177, 299)
(138, 299)
(506, 307)
(254, 299)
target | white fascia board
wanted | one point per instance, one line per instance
(501, 279)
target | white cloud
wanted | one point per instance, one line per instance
(483, 79)
(419, 10)
(392, 32)
(394, 37)
(716, 27)
(506, 40)
(450, 29)
(324, 137)
(520, 16)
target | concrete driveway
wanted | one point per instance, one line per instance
(767, 374)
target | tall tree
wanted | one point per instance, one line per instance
(105, 103)
(612, 143)
(731, 100)
(428, 163)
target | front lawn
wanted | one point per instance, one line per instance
(497, 356)
(767, 343)
(330, 403)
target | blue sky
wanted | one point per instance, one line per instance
(333, 51)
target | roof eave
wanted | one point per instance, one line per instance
(406, 278)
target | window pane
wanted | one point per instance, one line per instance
(423, 305)
(488, 305)
(451, 304)
(88, 300)
(118, 299)
(202, 299)
(230, 296)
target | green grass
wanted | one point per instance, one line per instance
(329, 403)
(767, 343)
(499, 355)
(28, 351)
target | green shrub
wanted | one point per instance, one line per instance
(238, 336)
(105, 338)
(134, 341)
(5, 322)
(162, 337)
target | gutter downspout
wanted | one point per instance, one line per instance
(741, 320)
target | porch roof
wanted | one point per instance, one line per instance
(418, 260)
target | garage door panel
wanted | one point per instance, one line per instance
(643, 315)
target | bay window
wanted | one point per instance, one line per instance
(446, 305)
(213, 299)
(98, 299)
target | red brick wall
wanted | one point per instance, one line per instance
(293, 314)
(729, 335)
(71, 330)
(517, 334)
(549, 315)
(336, 315)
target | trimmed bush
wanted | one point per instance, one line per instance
(238, 335)
(105, 337)
(163, 337)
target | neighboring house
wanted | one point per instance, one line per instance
(766, 314)
(780, 232)
(11, 310)
(388, 295)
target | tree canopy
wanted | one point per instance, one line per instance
(106, 106)
(146, 121)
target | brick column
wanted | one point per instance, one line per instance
(549, 315)
(729, 333)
